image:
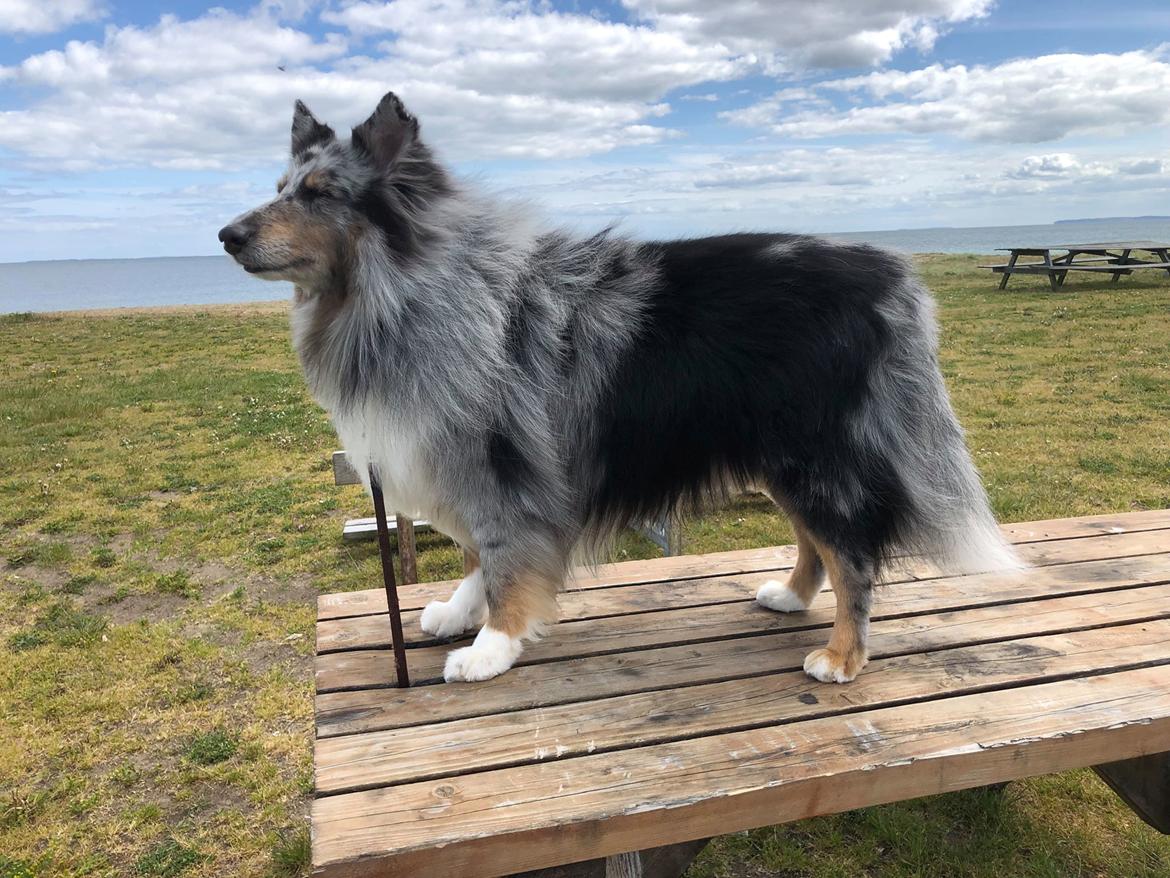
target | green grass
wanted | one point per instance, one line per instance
(212, 748)
(168, 519)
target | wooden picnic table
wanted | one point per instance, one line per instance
(1108, 257)
(668, 707)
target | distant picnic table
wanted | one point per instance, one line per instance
(1110, 257)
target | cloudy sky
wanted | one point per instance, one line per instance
(137, 129)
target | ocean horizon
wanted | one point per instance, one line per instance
(88, 284)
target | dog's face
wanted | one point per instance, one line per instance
(332, 194)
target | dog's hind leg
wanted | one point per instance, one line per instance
(852, 578)
(521, 601)
(803, 583)
(462, 611)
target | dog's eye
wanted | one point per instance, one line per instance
(314, 186)
(310, 193)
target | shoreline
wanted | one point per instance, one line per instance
(244, 309)
(262, 307)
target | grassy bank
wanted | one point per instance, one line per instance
(168, 519)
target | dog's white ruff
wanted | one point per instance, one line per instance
(465, 608)
(492, 653)
(778, 596)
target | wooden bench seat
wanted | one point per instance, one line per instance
(1110, 267)
(668, 707)
(1003, 266)
(1119, 266)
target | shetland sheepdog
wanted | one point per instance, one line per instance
(532, 391)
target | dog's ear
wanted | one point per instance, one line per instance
(388, 132)
(307, 131)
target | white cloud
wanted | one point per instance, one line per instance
(1057, 164)
(797, 33)
(192, 91)
(501, 47)
(1031, 100)
(46, 16)
(1142, 167)
(486, 77)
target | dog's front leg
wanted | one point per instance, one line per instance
(521, 601)
(464, 610)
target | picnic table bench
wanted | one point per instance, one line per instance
(1110, 257)
(668, 707)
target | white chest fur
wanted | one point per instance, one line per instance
(374, 436)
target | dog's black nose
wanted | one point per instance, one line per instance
(235, 237)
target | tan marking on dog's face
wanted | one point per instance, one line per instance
(291, 243)
(315, 181)
(525, 604)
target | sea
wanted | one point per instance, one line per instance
(78, 284)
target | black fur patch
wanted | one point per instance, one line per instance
(393, 223)
(750, 363)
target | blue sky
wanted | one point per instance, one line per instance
(137, 129)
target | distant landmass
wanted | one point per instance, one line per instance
(1109, 219)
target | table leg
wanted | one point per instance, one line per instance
(1052, 281)
(1067, 259)
(1007, 272)
(1124, 259)
(668, 861)
(1144, 784)
(1161, 254)
(407, 553)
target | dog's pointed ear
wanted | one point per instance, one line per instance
(307, 131)
(388, 132)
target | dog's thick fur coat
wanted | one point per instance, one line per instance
(532, 392)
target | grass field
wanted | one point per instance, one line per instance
(169, 517)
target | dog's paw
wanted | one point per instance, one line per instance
(492, 653)
(445, 619)
(830, 667)
(778, 596)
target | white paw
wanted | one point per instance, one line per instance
(492, 653)
(826, 666)
(778, 596)
(445, 619)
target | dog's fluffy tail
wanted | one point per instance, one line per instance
(949, 522)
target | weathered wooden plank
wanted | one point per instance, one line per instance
(372, 632)
(497, 822)
(343, 471)
(677, 567)
(357, 529)
(1089, 525)
(367, 601)
(378, 759)
(1143, 783)
(545, 685)
(368, 667)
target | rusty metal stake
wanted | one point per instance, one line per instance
(392, 609)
